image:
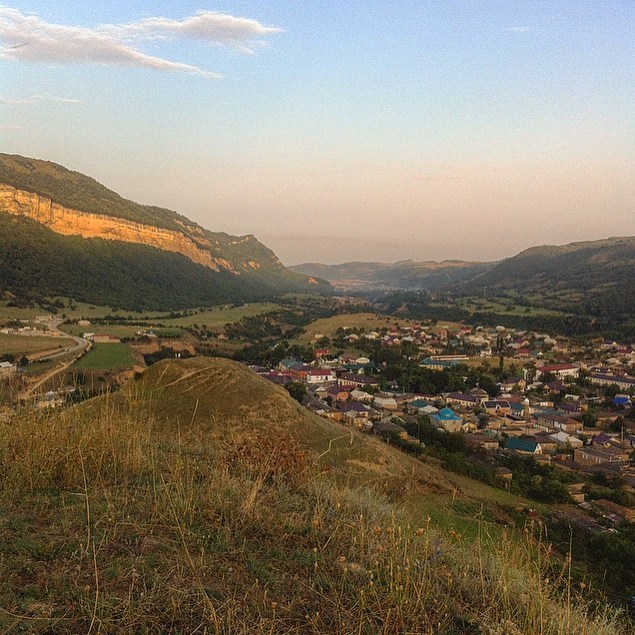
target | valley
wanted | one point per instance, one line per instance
(445, 418)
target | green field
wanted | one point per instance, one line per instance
(106, 357)
(368, 321)
(218, 316)
(503, 307)
(27, 344)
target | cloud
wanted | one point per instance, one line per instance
(517, 29)
(208, 26)
(28, 37)
(38, 99)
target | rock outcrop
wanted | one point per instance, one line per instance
(191, 242)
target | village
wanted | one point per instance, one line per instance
(498, 392)
(565, 405)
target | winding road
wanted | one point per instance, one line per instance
(74, 352)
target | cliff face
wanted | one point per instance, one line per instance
(191, 243)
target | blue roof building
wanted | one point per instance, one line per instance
(447, 419)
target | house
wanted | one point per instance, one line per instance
(464, 400)
(319, 376)
(575, 491)
(438, 364)
(599, 455)
(386, 428)
(7, 367)
(386, 403)
(287, 363)
(554, 422)
(497, 407)
(447, 419)
(361, 395)
(559, 371)
(609, 509)
(299, 371)
(566, 441)
(481, 441)
(422, 407)
(547, 442)
(104, 338)
(336, 393)
(601, 379)
(353, 408)
(507, 385)
(523, 445)
(601, 439)
(352, 380)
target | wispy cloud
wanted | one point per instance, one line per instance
(38, 99)
(28, 37)
(517, 29)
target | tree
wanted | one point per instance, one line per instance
(297, 390)
(589, 420)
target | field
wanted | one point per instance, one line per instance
(107, 357)
(369, 321)
(217, 317)
(504, 307)
(18, 345)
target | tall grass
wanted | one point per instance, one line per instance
(118, 523)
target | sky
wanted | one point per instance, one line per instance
(375, 130)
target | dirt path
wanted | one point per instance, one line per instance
(75, 352)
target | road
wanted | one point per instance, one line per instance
(74, 352)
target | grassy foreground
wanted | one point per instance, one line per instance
(115, 520)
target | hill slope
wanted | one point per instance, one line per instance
(601, 274)
(62, 204)
(165, 509)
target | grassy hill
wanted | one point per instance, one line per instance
(203, 499)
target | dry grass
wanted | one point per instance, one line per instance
(118, 521)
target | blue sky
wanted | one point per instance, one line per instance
(338, 131)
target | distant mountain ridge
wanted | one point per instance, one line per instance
(45, 209)
(406, 274)
(580, 266)
(591, 268)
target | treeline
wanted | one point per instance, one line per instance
(610, 313)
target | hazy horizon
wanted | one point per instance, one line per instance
(337, 132)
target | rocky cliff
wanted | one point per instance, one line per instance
(192, 242)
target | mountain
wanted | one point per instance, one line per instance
(600, 274)
(62, 233)
(406, 274)
(579, 266)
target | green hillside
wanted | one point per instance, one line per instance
(35, 261)
(204, 500)
(577, 266)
